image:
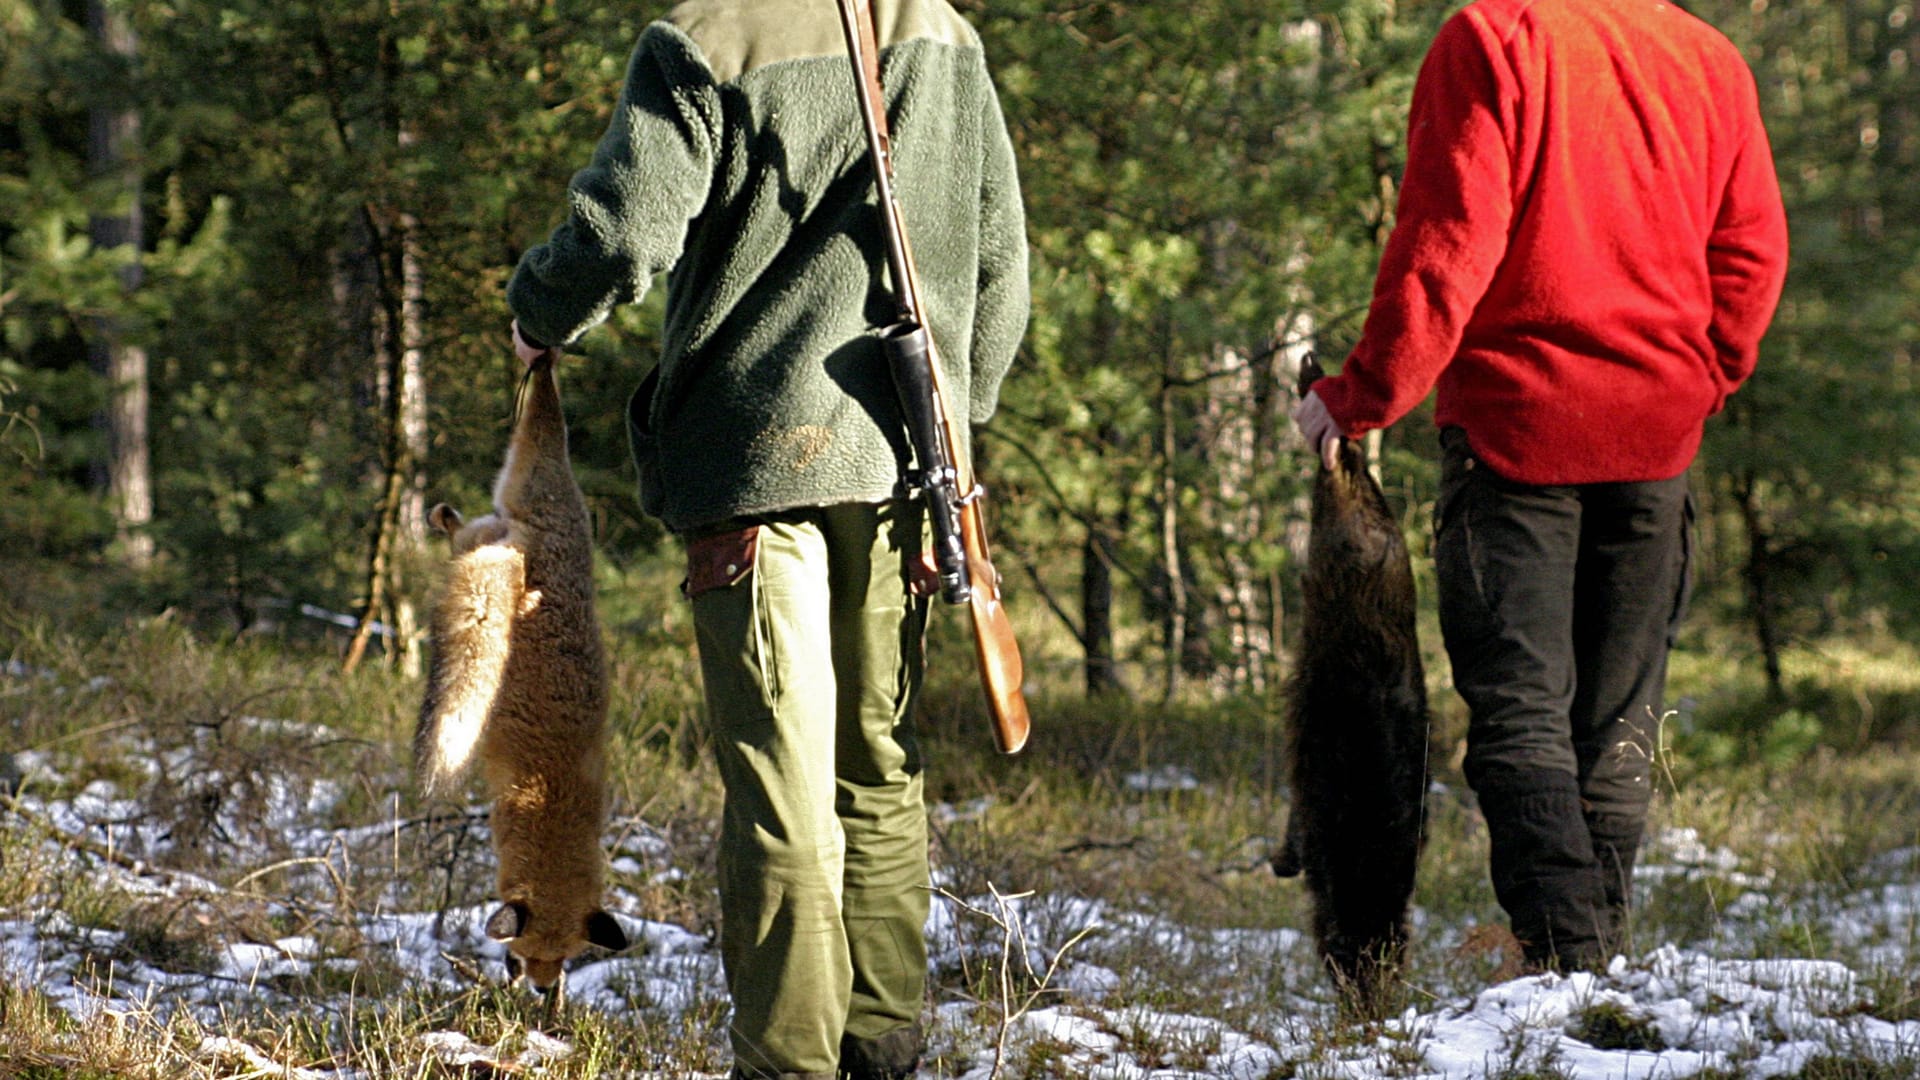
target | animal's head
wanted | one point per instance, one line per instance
(1310, 373)
(445, 518)
(464, 535)
(540, 942)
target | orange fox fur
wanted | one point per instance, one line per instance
(519, 681)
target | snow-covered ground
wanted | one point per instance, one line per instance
(1675, 1011)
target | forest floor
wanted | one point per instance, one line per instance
(211, 865)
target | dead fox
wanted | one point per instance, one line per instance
(519, 679)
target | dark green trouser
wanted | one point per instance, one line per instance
(1559, 605)
(812, 660)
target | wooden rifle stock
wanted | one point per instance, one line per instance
(1001, 670)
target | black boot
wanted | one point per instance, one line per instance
(893, 1056)
(1544, 871)
(1616, 843)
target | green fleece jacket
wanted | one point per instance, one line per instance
(736, 162)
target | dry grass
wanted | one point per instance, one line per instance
(237, 727)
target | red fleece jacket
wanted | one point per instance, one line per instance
(1589, 242)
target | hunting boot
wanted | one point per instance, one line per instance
(1543, 868)
(1616, 843)
(893, 1056)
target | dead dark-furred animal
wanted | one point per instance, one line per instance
(1357, 730)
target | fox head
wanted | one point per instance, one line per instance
(540, 943)
(466, 535)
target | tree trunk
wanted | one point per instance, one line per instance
(399, 383)
(1102, 672)
(1096, 615)
(1176, 618)
(378, 570)
(400, 524)
(1231, 434)
(411, 540)
(112, 144)
(1294, 338)
(1759, 579)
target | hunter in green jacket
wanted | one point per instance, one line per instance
(737, 162)
(769, 437)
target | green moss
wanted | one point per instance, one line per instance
(1608, 1025)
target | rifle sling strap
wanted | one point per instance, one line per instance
(857, 20)
(870, 74)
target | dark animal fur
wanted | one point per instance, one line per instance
(1357, 719)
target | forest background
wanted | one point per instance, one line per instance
(252, 255)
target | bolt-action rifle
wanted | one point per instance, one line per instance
(944, 478)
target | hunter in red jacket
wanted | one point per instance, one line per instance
(1589, 246)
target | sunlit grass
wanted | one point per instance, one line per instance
(1150, 809)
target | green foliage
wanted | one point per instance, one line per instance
(1609, 1025)
(1893, 995)
(1838, 695)
(45, 450)
(1204, 195)
(1207, 184)
(1837, 1067)
(1814, 465)
(271, 197)
(1782, 740)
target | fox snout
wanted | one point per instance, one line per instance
(539, 953)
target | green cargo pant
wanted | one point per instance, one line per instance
(811, 650)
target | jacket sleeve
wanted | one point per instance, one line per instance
(1746, 260)
(630, 206)
(1456, 204)
(1002, 306)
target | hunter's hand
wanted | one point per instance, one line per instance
(526, 350)
(1318, 427)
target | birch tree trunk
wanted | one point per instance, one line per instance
(388, 366)
(399, 385)
(412, 524)
(400, 391)
(1170, 553)
(1230, 433)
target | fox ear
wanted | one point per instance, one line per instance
(604, 930)
(507, 922)
(445, 518)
